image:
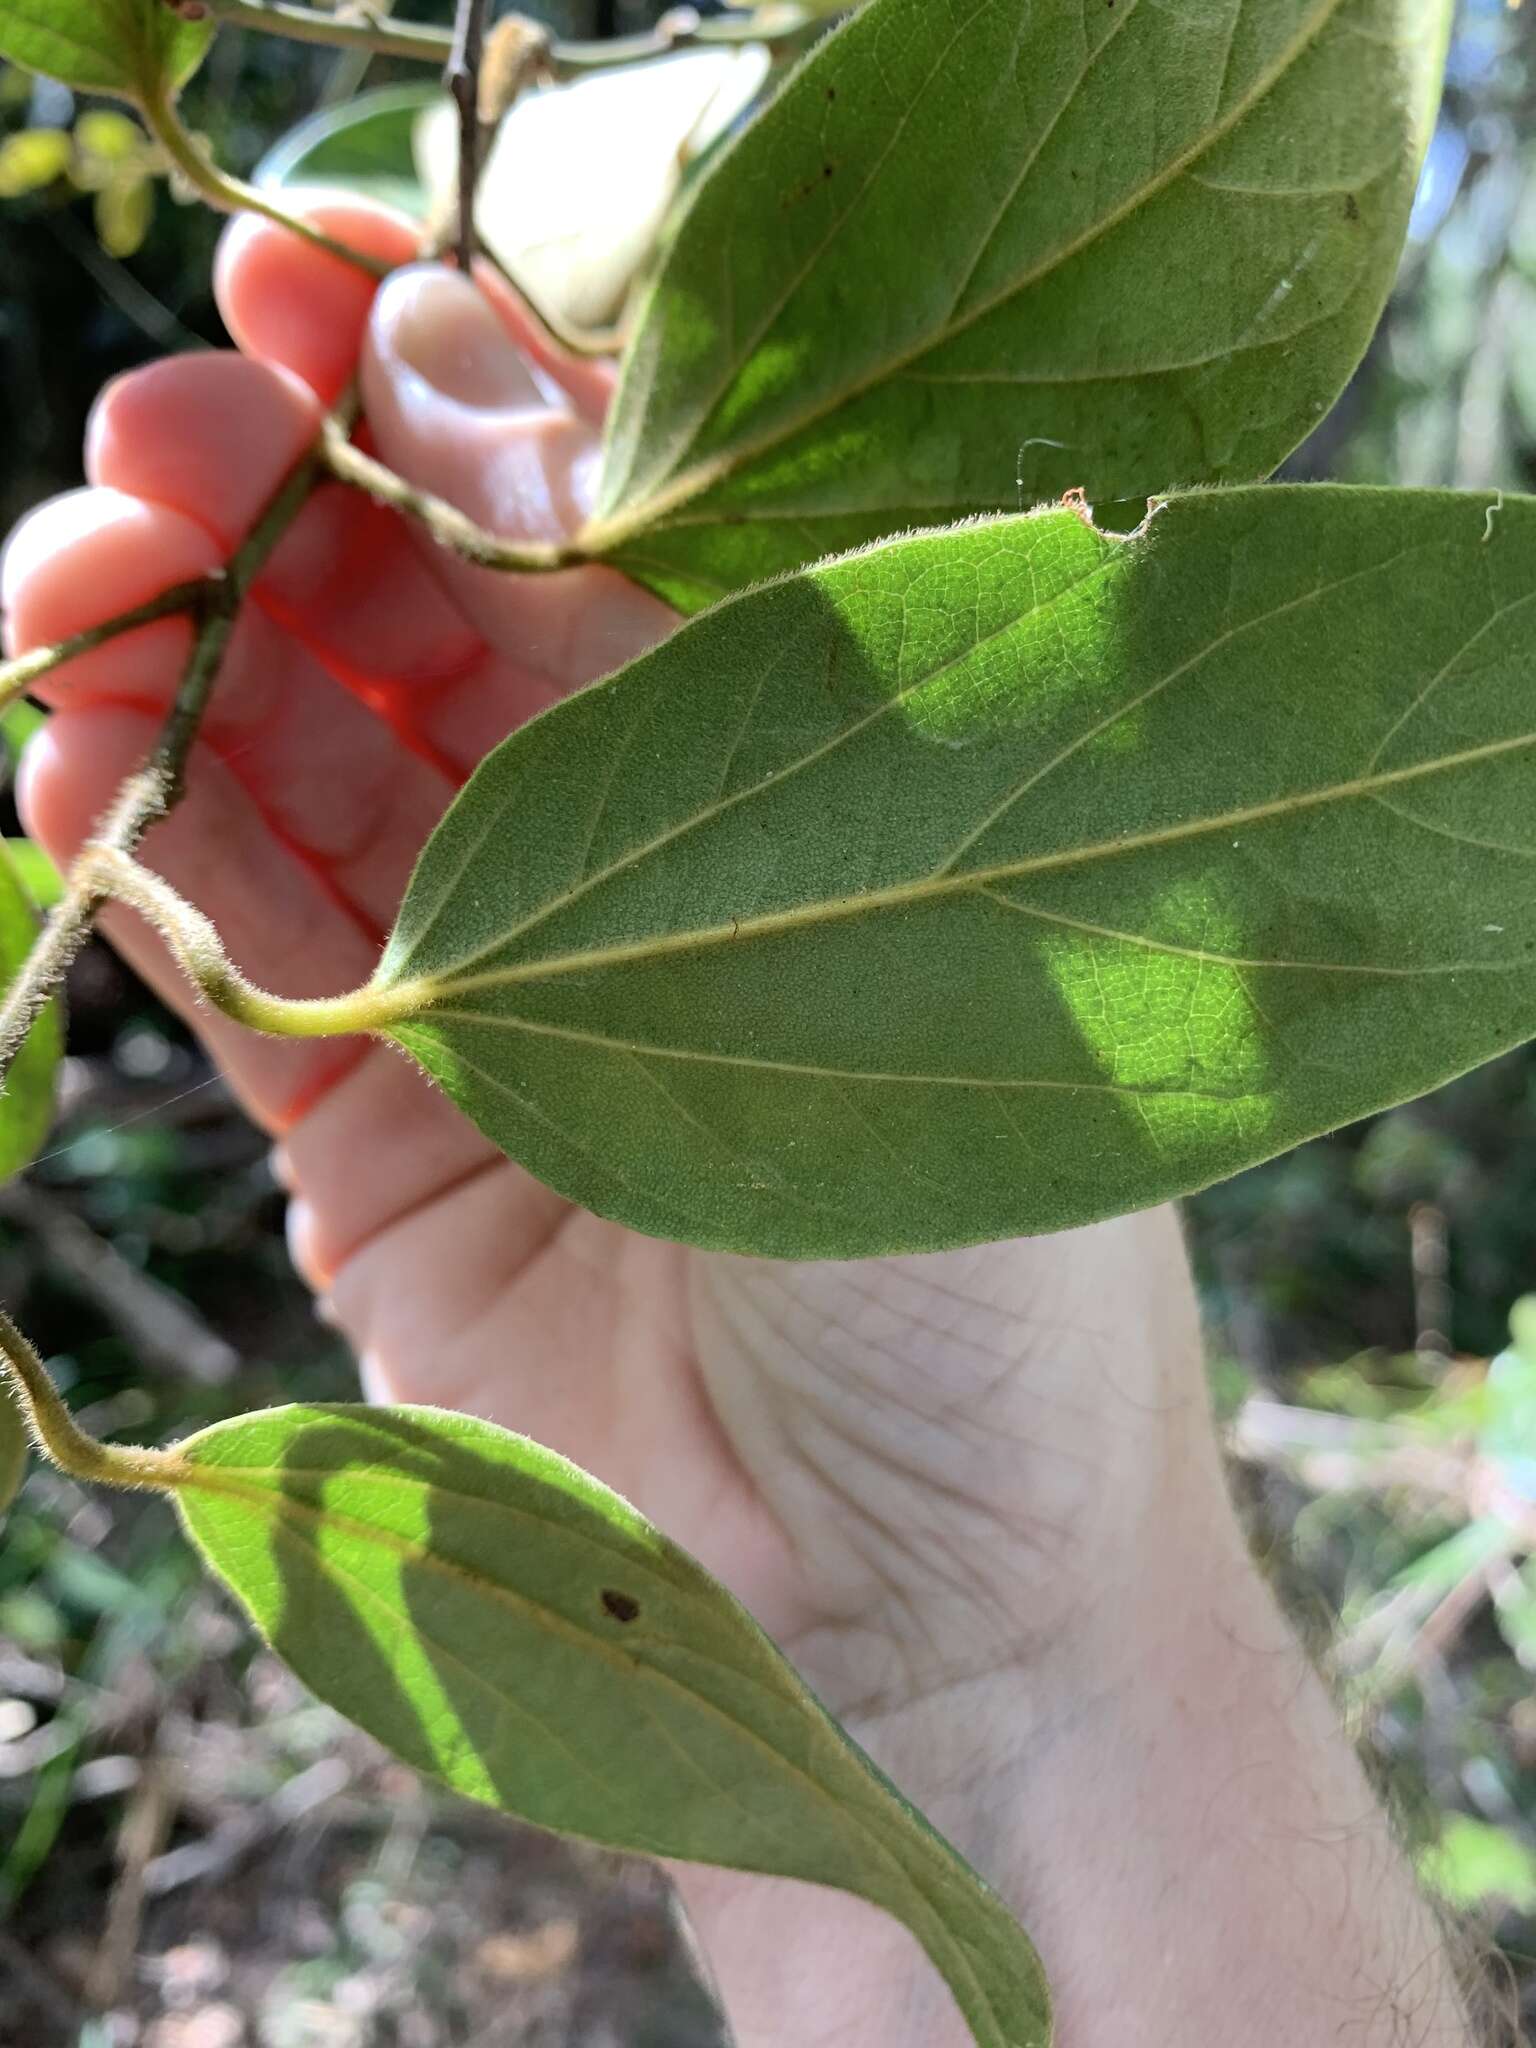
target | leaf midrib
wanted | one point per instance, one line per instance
(436, 990)
(695, 820)
(603, 535)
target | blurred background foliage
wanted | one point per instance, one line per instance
(192, 1853)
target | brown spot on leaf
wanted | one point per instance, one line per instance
(622, 1606)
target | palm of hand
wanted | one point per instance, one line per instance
(904, 1470)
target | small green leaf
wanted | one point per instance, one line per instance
(979, 253)
(26, 1102)
(1004, 879)
(14, 1448)
(135, 49)
(509, 1626)
(1507, 1437)
(36, 872)
(18, 723)
(1476, 1864)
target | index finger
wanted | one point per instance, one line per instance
(285, 301)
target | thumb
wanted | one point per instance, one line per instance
(457, 409)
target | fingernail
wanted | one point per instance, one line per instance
(434, 322)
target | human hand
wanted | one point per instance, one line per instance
(959, 1490)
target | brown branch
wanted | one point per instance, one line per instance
(18, 676)
(462, 78)
(152, 790)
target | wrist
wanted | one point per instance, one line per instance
(1168, 1802)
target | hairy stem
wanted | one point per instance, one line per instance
(227, 194)
(152, 790)
(586, 343)
(782, 29)
(444, 522)
(200, 954)
(18, 676)
(61, 1439)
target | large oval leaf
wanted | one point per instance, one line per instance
(1003, 879)
(508, 1625)
(26, 1094)
(980, 252)
(136, 49)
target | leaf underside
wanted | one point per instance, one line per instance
(131, 48)
(1001, 880)
(507, 1625)
(978, 253)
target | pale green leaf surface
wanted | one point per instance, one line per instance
(1005, 879)
(133, 48)
(1475, 1864)
(14, 1448)
(26, 1095)
(35, 871)
(978, 253)
(506, 1624)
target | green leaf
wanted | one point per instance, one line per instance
(18, 723)
(363, 145)
(509, 1626)
(978, 253)
(135, 49)
(26, 1101)
(14, 1448)
(1507, 1437)
(1476, 1864)
(37, 874)
(1003, 879)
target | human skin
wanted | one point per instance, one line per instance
(977, 1497)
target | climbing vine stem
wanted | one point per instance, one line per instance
(61, 1439)
(199, 953)
(153, 789)
(783, 28)
(446, 525)
(18, 676)
(228, 194)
